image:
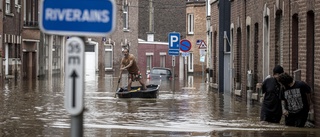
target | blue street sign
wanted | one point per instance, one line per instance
(174, 42)
(77, 17)
(185, 45)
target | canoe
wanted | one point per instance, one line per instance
(136, 92)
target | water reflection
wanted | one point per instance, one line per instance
(36, 108)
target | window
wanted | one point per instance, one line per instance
(249, 57)
(8, 6)
(1, 5)
(227, 43)
(108, 56)
(279, 38)
(149, 61)
(163, 59)
(190, 62)
(125, 15)
(190, 23)
(31, 12)
(56, 52)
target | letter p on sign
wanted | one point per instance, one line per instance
(174, 39)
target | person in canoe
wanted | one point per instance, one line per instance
(129, 63)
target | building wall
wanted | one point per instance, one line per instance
(239, 46)
(302, 8)
(156, 48)
(316, 89)
(11, 36)
(1, 42)
(215, 39)
(198, 9)
(122, 38)
(169, 16)
(249, 15)
(30, 40)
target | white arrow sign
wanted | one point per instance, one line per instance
(74, 78)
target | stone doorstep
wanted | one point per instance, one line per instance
(214, 85)
(237, 92)
(255, 96)
(9, 76)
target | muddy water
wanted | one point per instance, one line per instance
(191, 108)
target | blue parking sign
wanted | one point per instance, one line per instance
(174, 43)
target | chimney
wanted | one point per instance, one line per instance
(150, 36)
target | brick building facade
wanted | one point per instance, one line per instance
(11, 38)
(196, 30)
(266, 33)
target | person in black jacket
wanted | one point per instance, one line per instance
(271, 110)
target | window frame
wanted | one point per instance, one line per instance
(8, 7)
(190, 25)
(108, 48)
(190, 62)
(125, 16)
(163, 57)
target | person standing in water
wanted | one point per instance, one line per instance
(128, 62)
(271, 110)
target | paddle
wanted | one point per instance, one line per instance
(115, 94)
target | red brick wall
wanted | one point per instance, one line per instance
(251, 13)
(155, 48)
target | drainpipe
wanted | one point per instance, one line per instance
(50, 57)
(6, 59)
(209, 47)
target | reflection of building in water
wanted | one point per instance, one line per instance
(190, 81)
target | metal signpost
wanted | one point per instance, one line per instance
(174, 44)
(74, 86)
(76, 18)
(203, 52)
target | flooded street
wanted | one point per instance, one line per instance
(36, 108)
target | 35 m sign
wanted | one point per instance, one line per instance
(74, 77)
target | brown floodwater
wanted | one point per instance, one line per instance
(35, 108)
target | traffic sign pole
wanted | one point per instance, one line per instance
(74, 84)
(77, 125)
(173, 75)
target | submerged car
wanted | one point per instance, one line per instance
(159, 73)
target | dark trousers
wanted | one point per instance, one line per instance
(297, 119)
